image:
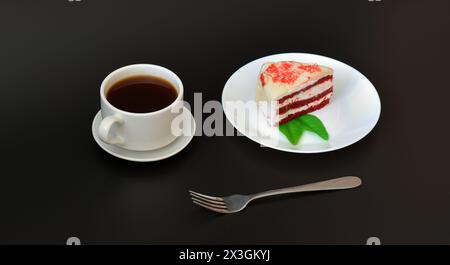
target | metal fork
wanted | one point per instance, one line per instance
(237, 202)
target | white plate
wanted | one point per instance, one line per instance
(145, 156)
(353, 111)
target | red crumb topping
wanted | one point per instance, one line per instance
(310, 68)
(261, 78)
(287, 73)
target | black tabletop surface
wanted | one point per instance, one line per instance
(56, 182)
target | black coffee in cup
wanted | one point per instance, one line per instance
(142, 94)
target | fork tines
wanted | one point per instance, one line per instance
(212, 203)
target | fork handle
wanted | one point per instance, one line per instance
(332, 184)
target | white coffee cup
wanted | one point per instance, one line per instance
(139, 131)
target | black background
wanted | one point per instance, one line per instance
(56, 182)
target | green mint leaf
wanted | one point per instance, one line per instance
(315, 125)
(294, 129)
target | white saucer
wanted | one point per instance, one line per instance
(145, 156)
(352, 113)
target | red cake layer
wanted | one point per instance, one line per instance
(313, 108)
(300, 103)
(320, 81)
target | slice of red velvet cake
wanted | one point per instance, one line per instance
(291, 89)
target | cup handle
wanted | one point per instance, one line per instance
(105, 127)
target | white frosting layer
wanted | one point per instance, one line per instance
(293, 111)
(312, 92)
(270, 110)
